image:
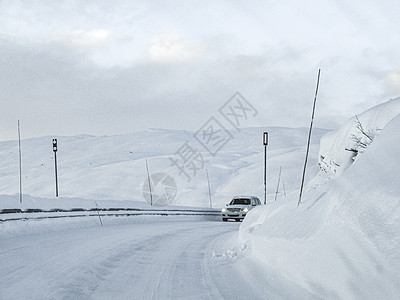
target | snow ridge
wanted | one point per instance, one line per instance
(339, 148)
(343, 240)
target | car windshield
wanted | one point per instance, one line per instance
(240, 201)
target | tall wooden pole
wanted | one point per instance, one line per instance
(309, 139)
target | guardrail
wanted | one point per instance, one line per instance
(38, 214)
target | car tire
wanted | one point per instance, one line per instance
(224, 219)
(237, 220)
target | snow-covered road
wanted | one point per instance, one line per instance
(147, 259)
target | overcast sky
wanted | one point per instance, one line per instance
(112, 67)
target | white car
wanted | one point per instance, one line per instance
(238, 207)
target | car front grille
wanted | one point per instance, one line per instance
(234, 209)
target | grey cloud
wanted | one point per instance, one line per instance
(57, 87)
(58, 92)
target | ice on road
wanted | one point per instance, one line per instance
(154, 259)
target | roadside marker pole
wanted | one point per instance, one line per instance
(20, 163)
(55, 164)
(309, 139)
(148, 178)
(265, 142)
(277, 186)
(98, 213)
(209, 189)
(284, 188)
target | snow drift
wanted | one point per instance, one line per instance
(343, 241)
(340, 148)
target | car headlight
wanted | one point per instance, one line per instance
(223, 210)
(245, 209)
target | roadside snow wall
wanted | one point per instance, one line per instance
(343, 241)
(340, 148)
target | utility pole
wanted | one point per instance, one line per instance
(55, 164)
(309, 139)
(265, 142)
(20, 163)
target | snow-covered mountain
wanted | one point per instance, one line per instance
(343, 240)
(114, 167)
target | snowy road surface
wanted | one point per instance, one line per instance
(154, 259)
(148, 258)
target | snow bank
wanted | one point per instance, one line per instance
(343, 241)
(339, 148)
(29, 202)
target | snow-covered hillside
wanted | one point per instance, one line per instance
(340, 148)
(343, 241)
(114, 167)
